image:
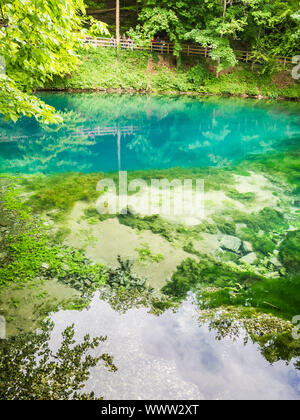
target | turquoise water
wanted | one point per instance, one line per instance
(111, 132)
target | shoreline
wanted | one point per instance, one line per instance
(122, 91)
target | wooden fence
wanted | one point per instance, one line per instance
(163, 47)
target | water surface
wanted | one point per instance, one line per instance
(111, 132)
(173, 356)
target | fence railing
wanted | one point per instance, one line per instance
(163, 47)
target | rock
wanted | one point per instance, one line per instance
(45, 265)
(239, 227)
(249, 258)
(247, 247)
(275, 262)
(231, 243)
(130, 210)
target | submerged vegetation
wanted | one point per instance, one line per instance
(263, 234)
(218, 284)
(29, 251)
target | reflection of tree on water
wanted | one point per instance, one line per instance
(31, 371)
(272, 335)
(147, 132)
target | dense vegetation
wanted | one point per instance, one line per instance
(37, 40)
(267, 28)
(103, 69)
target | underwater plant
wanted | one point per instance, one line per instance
(289, 252)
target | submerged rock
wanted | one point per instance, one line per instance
(231, 243)
(275, 262)
(249, 258)
(247, 247)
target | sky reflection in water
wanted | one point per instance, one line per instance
(173, 357)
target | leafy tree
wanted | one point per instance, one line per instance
(267, 27)
(38, 39)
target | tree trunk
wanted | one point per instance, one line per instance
(118, 22)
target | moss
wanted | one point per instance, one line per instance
(145, 254)
(248, 197)
(282, 166)
(153, 223)
(207, 271)
(225, 226)
(289, 252)
(59, 192)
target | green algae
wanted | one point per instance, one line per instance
(31, 250)
(265, 229)
(248, 197)
(225, 226)
(59, 192)
(145, 254)
(267, 220)
(283, 166)
(218, 283)
(153, 223)
(206, 272)
(289, 252)
(279, 297)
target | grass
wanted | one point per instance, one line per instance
(103, 68)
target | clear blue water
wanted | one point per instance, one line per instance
(111, 132)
